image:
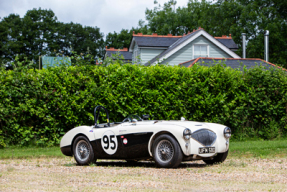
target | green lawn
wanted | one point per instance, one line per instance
(29, 152)
(238, 149)
(262, 149)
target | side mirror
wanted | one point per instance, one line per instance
(145, 117)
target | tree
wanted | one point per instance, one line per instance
(11, 40)
(119, 40)
(39, 33)
(163, 20)
(122, 39)
(83, 40)
(261, 15)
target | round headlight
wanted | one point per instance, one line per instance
(227, 132)
(186, 134)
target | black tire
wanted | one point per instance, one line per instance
(166, 152)
(83, 151)
(219, 158)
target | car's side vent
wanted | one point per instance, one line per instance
(204, 136)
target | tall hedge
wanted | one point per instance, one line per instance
(39, 106)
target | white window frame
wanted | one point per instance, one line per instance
(201, 45)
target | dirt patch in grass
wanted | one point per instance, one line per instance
(62, 174)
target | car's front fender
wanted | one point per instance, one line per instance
(175, 131)
(70, 135)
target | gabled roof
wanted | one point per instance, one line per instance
(180, 43)
(227, 41)
(165, 41)
(230, 62)
(124, 52)
(154, 40)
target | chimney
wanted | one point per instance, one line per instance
(266, 46)
(243, 45)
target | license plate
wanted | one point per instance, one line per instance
(206, 150)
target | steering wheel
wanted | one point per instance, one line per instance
(131, 117)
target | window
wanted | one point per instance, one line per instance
(200, 51)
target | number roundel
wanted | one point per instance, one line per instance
(109, 142)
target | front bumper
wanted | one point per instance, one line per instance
(67, 150)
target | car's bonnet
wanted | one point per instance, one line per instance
(193, 125)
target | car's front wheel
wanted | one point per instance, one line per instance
(83, 151)
(219, 158)
(166, 152)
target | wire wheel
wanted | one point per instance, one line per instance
(82, 150)
(165, 150)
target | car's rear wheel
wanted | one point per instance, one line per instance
(83, 151)
(166, 152)
(219, 158)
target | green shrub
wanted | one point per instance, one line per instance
(39, 106)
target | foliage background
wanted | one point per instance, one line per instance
(39, 106)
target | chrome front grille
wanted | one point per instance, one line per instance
(204, 136)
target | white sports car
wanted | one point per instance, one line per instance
(168, 143)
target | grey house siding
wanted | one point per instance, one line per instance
(186, 53)
(180, 56)
(147, 54)
(215, 51)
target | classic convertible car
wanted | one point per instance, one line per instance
(168, 143)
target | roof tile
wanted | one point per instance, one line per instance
(230, 62)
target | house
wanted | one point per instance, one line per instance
(127, 56)
(197, 46)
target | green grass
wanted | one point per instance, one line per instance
(29, 152)
(262, 149)
(238, 149)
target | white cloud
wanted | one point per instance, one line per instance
(108, 15)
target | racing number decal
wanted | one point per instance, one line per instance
(109, 142)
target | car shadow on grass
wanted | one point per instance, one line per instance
(147, 164)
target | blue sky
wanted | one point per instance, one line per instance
(108, 15)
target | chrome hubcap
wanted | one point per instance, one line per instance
(165, 150)
(82, 150)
